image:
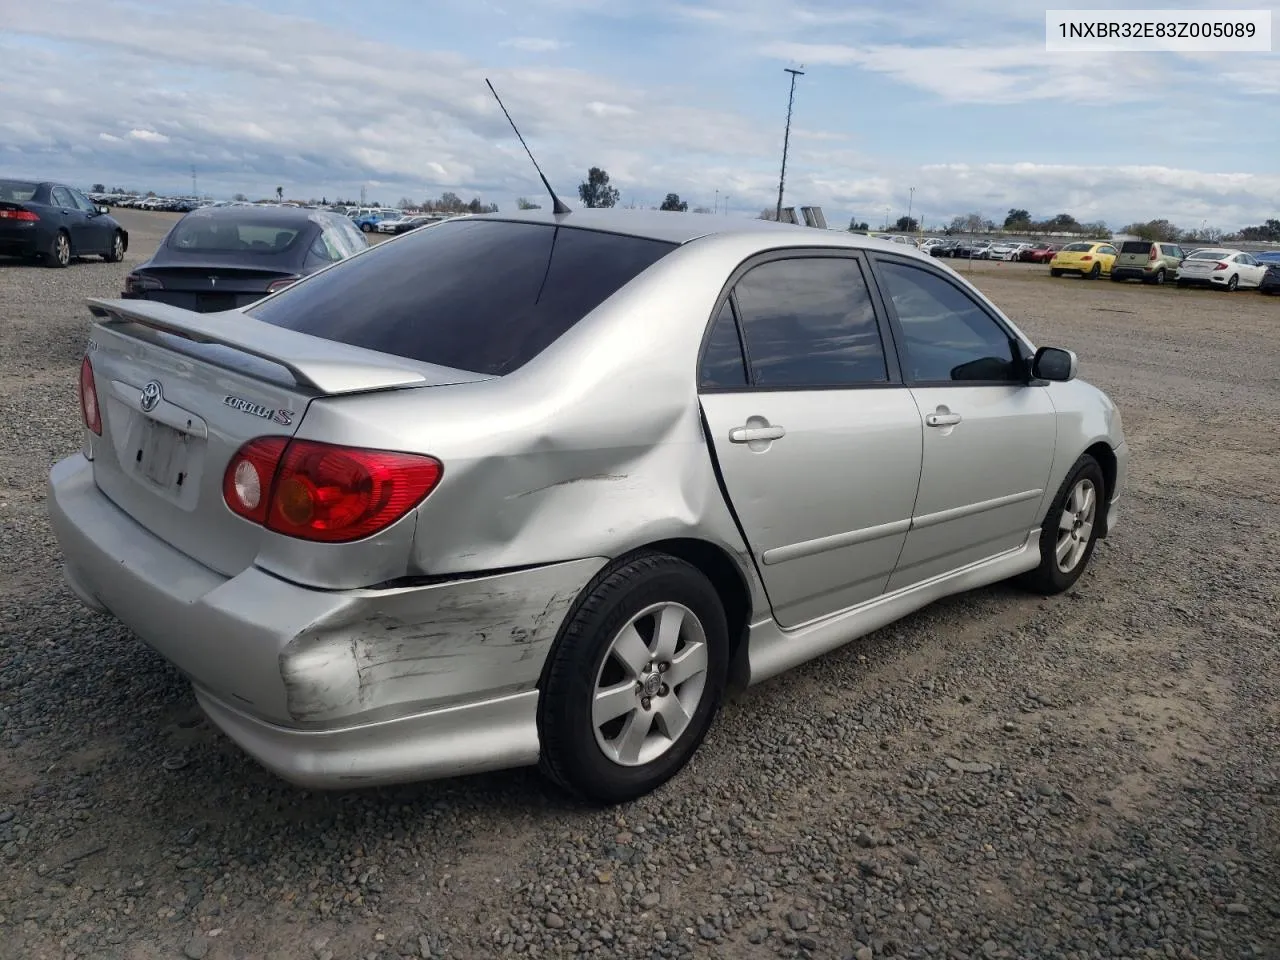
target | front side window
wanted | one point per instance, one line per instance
(62, 197)
(809, 322)
(947, 337)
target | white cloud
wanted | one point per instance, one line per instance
(147, 136)
(109, 137)
(534, 44)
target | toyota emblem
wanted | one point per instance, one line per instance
(151, 394)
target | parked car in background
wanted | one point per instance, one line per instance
(1271, 256)
(945, 248)
(1148, 261)
(980, 250)
(227, 257)
(421, 220)
(1002, 251)
(56, 223)
(1271, 279)
(440, 510)
(1216, 267)
(1039, 253)
(1089, 258)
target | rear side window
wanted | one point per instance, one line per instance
(809, 322)
(480, 295)
(1136, 246)
(722, 361)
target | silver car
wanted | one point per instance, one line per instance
(531, 489)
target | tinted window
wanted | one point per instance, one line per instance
(62, 197)
(1207, 255)
(81, 201)
(481, 295)
(809, 322)
(1136, 246)
(17, 191)
(946, 335)
(1077, 248)
(722, 362)
(1107, 250)
(206, 234)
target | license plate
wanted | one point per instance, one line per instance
(162, 454)
(215, 302)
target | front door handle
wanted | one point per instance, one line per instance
(942, 419)
(750, 434)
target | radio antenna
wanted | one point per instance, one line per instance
(557, 205)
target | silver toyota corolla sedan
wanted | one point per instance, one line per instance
(539, 489)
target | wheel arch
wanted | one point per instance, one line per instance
(726, 577)
(1101, 451)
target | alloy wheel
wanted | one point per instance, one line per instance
(1075, 527)
(62, 249)
(650, 684)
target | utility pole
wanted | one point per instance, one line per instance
(786, 137)
(726, 204)
(717, 206)
(910, 202)
(195, 191)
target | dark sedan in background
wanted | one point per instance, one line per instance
(221, 258)
(56, 223)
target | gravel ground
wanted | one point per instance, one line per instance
(998, 776)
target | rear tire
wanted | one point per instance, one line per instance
(1070, 530)
(59, 254)
(1159, 278)
(367, 227)
(1055, 272)
(1182, 284)
(1233, 283)
(1094, 272)
(606, 718)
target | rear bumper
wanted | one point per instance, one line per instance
(1133, 273)
(21, 240)
(328, 687)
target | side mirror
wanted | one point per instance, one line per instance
(104, 209)
(1054, 364)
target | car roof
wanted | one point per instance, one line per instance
(681, 228)
(291, 216)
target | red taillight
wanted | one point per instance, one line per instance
(89, 398)
(1087, 256)
(1221, 266)
(1153, 254)
(281, 284)
(326, 493)
(140, 283)
(24, 215)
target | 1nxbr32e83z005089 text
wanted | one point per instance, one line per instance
(1137, 31)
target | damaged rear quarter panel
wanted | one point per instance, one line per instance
(421, 648)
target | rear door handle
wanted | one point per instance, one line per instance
(749, 434)
(942, 419)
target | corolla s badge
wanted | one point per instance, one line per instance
(284, 417)
(151, 395)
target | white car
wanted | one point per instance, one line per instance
(390, 226)
(1215, 267)
(1003, 251)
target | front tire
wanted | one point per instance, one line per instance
(59, 254)
(367, 227)
(117, 249)
(634, 681)
(1070, 530)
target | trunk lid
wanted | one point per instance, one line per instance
(180, 393)
(211, 287)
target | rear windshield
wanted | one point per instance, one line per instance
(17, 191)
(480, 295)
(1077, 248)
(1208, 255)
(220, 235)
(1136, 246)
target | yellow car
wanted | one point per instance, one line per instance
(1088, 258)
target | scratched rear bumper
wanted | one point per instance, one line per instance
(333, 686)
